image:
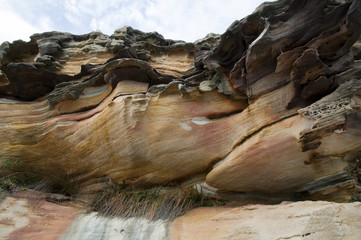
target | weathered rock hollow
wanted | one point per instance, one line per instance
(269, 108)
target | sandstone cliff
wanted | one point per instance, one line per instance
(268, 110)
(133, 124)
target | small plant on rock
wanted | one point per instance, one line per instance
(153, 204)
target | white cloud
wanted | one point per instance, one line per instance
(187, 19)
(13, 27)
(72, 6)
(190, 20)
(73, 19)
(45, 23)
(93, 23)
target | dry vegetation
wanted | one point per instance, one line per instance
(18, 174)
(113, 201)
(153, 204)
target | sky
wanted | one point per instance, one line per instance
(186, 20)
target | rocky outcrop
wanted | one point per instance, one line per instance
(30, 217)
(268, 110)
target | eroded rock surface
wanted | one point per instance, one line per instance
(300, 220)
(31, 217)
(271, 107)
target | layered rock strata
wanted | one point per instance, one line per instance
(271, 108)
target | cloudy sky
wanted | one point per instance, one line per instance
(186, 20)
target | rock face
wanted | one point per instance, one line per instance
(271, 108)
(34, 218)
(300, 220)
(91, 226)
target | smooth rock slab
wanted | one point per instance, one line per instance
(35, 218)
(297, 220)
(93, 227)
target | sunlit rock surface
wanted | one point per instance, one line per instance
(31, 217)
(269, 111)
(300, 220)
(270, 107)
(91, 226)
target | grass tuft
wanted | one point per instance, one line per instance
(153, 204)
(114, 201)
(18, 174)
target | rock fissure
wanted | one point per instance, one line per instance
(260, 129)
(272, 106)
(142, 129)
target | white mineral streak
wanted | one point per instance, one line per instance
(94, 227)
